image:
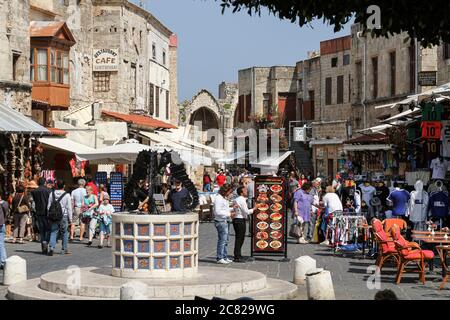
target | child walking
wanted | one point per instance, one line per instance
(105, 210)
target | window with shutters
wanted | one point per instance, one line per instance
(151, 100)
(346, 59)
(340, 90)
(266, 103)
(393, 71)
(241, 108)
(157, 101)
(248, 107)
(358, 81)
(102, 81)
(412, 68)
(167, 105)
(328, 91)
(375, 77)
(334, 62)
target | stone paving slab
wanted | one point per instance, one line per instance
(349, 273)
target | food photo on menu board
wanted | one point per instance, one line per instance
(269, 225)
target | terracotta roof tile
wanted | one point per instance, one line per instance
(144, 121)
(57, 132)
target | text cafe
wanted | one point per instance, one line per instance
(105, 60)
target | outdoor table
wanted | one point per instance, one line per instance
(437, 239)
(444, 252)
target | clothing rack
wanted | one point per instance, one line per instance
(345, 228)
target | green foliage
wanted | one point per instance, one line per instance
(429, 21)
(227, 106)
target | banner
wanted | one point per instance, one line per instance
(269, 235)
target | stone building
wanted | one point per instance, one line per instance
(443, 63)
(331, 114)
(15, 85)
(384, 71)
(124, 58)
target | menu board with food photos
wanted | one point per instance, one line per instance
(269, 219)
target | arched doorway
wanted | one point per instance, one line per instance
(207, 117)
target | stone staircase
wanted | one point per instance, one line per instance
(303, 155)
(98, 284)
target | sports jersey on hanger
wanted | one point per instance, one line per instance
(438, 204)
(431, 129)
(400, 199)
(432, 112)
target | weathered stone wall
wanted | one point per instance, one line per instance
(14, 38)
(443, 65)
(173, 70)
(330, 129)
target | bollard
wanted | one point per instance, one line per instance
(319, 285)
(15, 270)
(302, 265)
(133, 291)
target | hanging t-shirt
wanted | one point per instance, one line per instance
(400, 199)
(439, 168)
(367, 193)
(431, 129)
(430, 150)
(439, 204)
(446, 139)
(432, 112)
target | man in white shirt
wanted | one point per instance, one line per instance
(222, 216)
(77, 202)
(242, 213)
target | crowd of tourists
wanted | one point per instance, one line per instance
(45, 212)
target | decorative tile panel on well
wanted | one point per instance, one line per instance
(117, 261)
(159, 230)
(159, 246)
(175, 262)
(128, 262)
(128, 245)
(187, 261)
(143, 263)
(187, 229)
(187, 245)
(159, 263)
(144, 230)
(175, 246)
(174, 229)
(117, 245)
(117, 229)
(143, 247)
(128, 229)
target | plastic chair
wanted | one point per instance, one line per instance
(409, 252)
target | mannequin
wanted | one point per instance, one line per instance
(437, 186)
(439, 168)
(367, 192)
(439, 203)
(418, 206)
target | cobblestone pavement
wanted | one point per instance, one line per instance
(349, 273)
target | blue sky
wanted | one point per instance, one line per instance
(213, 47)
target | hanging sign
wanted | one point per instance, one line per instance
(106, 60)
(300, 133)
(427, 78)
(431, 129)
(269, 235)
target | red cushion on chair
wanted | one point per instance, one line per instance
(415, 255)
(398, 238)
(377, 227)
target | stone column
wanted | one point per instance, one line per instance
(15, 270)
(302, 265)
(319, 285)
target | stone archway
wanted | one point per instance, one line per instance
(207, 117)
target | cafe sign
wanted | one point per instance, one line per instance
(106, 60)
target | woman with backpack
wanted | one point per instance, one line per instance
(89, 212)
(21, 208)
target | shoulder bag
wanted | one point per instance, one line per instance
(22, 208)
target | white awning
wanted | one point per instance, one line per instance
(406, 113)
(117, 154)
(233, 156)
(163, 141)
(273, 162)
(12, 121)
(325, 141)
(65, 145)
(367, 147)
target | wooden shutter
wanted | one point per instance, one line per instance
(248, 107)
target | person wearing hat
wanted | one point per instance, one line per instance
(40, 198)
(31, 185)
(105, 210)
(178, 196)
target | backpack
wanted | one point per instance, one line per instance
(55, 212)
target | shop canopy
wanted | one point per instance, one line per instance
(125, 153)
(65, 145)
(12, 121)
(232, 157)
(367, 147)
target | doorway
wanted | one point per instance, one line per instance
(330, 167)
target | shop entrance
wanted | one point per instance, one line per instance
(330, 167)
